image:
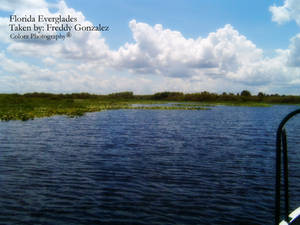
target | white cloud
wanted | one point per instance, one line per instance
(280, 14)
(224, 54)
(294, 53)
(84, 46)
(289, 11)
(4, 30)
(11, 66)
(159, 59)
(21, 77)
(49, 61)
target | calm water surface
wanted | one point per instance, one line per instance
(145, 167)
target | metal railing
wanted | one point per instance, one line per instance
(281, 153)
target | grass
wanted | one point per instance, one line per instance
(247, 104)
(170, 107)
(35, 105)
(25, 108)
(227, 103)
(20, 107)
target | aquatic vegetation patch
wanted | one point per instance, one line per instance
(170, 107)
(35, 105)
(26, 108)
(35, 108)
(184, 104)
(246, 104)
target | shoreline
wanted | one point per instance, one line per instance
(36, 105)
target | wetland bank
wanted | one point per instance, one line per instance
(34, 105)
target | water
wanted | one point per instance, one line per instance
(145, 167)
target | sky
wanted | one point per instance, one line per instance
(153, 46)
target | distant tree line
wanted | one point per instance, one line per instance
(243, 96)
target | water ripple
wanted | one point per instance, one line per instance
(144, 167)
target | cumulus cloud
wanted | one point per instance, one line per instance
(11, 66)
(20, 76)
(224, 54)
(167, 52)
(158, 59)
(281, 14)
(4, 30)
(68, 65)
(162, 51)
(84, 46)
(294, 52)
(289, 11)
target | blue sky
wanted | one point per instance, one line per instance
(192, 18)
(152, 46)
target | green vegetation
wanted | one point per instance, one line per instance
(171, 107)
(245, 98)
(29, 106)
(32, 105)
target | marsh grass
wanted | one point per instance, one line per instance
(246, 104)
(35, 105)
(16, 107)
(20, 107)
(193, 104)
(170, 107)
